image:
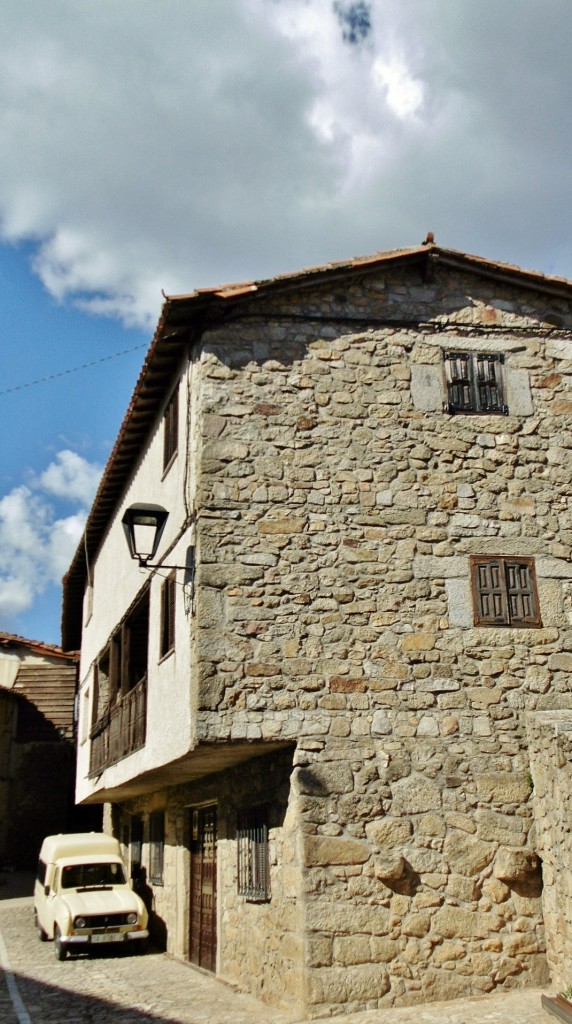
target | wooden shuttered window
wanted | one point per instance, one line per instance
(171, 429)
(504, 592)
(253, 854)
(168, 601)
(474, 383)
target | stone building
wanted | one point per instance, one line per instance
(37, 756)
(315, 715)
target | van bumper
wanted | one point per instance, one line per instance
(104, 938)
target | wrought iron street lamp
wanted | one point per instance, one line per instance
(144, 525)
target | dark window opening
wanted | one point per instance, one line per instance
(156, 846)
(168, 600)
(123, 663)
(136, 846)
(171, 429)
(253, 854)
(504, 592)
(120, 690)
(474, 383)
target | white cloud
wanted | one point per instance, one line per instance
(404, 93)
(38, 541)
(71, 477)
(147, 146)
(62, 543)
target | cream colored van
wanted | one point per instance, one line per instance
(82, 897)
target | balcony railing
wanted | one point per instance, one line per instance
(121, 730)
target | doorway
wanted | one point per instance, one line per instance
(202, 945)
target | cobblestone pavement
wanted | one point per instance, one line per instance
(114, 988)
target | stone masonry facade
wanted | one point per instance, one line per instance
(338, 507)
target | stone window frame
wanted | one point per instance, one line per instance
(505, 591)
(253, 854)
(429, 386)
(474, 382)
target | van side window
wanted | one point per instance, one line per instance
(41, 876)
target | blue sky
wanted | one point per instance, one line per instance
(43, 423)
(148, 147)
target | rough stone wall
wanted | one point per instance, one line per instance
(338, 506)
(550, 735)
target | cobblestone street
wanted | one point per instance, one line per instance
(109, 987)
(114, 988)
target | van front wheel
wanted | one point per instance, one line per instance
(43, 936)
(61, 951)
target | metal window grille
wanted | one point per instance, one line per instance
(156, 846)
(504, 592)
(253, 854)
(474, 383)
(171, 429)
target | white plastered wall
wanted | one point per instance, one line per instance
(117, 581)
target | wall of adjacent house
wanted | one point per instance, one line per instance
(41, 798)
(7, 725)
(36, 750)
(550, 734)
(338, 507)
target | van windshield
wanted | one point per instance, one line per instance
(88, 876)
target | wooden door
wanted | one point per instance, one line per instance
(203, 887)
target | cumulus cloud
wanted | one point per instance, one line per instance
(147, 146)
(38, 533)
(71, 477)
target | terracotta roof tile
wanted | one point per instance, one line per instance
(8, 640)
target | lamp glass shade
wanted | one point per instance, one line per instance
(144, 525)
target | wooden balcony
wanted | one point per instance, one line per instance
(121, 730)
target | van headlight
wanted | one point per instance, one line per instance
(132, 919)
(79, 922)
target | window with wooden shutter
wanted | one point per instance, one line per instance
(504, 592)
(253, 854)
(168, 598)
(171, 429)
(474, 383)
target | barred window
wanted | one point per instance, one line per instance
(171, 429)
(253, 854)
(504, 592)
(168, 600)
(156, 846)
(474, 383)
